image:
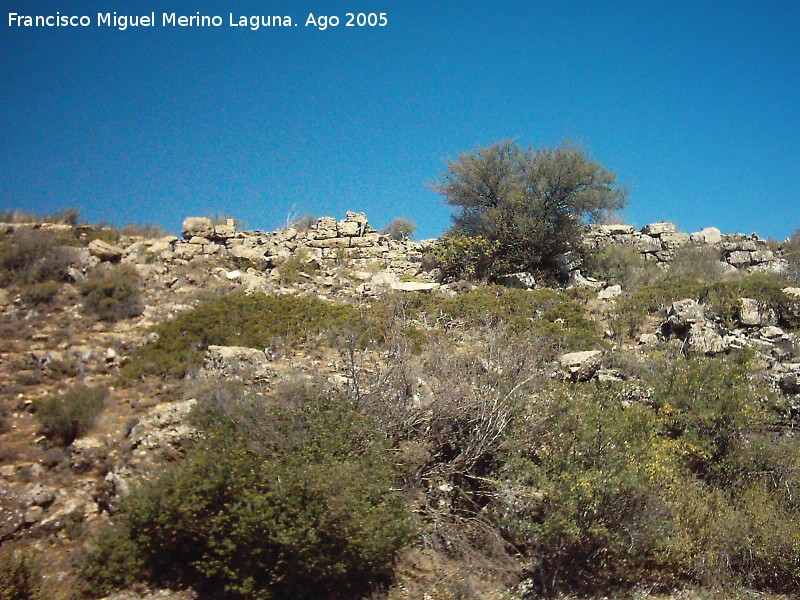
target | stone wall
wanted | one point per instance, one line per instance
(659, 242)
(327, 241)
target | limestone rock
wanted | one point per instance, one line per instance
(87, 453)
(416, 286)
(657, 229)
(647, 243)
(709, 235)
(224, 231)
(522, 280)
(615, 229)
(12, 511)
(704, 340)
(578, 280)
(236, 362)
(683, 313)
(105, 251)
(581, 366)
(163, 429)
(739, 258)
(197, 226)
(37, 494)
(753, 313)
(611, 292)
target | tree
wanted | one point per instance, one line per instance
(399, 229)
(533, 203)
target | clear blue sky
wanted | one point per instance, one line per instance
(695, 105)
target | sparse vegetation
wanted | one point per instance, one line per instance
(113, 295)
(35, 256)
(256, 321)
(67, 416)
(19, 579)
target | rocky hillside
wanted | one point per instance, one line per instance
(315, 412)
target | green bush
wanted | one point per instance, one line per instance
(722, 298)
(284, 498)
(533, 204)
(556, 316)
(36, 256)
(399, 229)
(67, 416)
(113, 296)
(304, 223)
(464, 257)
(40, 294)
(297, 267)
(623, 265)
(703, 263)
(791, 254)
(597, 493)
(19, 580)
(255, 321)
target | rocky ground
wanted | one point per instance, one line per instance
(49, 494)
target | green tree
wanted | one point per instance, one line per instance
(399, 229)
(534, 203)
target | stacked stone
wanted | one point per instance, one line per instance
(658, 241)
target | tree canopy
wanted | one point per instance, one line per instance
(534, 203)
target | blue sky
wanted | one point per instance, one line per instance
(695, 105)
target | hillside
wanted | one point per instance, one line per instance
(321, 412)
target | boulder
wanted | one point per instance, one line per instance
(224, 231)
(197, 227)
(12, 512)
(683, 313)
(739, 258)
(646, 243)
(522, 280)
(237, 362)
(611, 292)
(578, 280)
(674, 240)
(709, 235)
(581, 366)
(416, 286)
(657, 229)
(702, 339)
(615, 229)
(349, 229)
(105, 251)
(753, 313)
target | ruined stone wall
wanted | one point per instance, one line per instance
(659, 242)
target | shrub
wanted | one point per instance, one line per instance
(18, 579)
(36, 256)
(304, 223)
(289, 498)
(40, 294)
(464, 257)
(723, 298)
(256, 321)
(399, 229)
(555, 316)
(703, 263)
(791, 254)
(534, 204)
(67, 416)
(113, 296)
(622, 265)
(297, 267)
(597, 493)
